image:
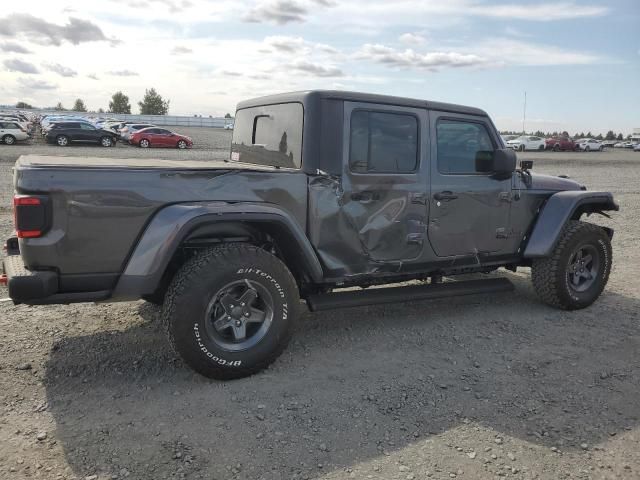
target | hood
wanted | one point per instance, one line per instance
(551, 183)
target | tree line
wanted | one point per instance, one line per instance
(151, 104)
(610, 135)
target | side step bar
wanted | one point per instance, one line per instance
(375, 296)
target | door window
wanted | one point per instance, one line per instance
(383, 142)
(85, 126)
(458, 143)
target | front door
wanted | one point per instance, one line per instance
(469, 212)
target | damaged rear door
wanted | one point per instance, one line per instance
(381, 214)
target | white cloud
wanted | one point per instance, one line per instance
(60, 69)
(412, 39)
(410, 59)
(515, 52)
(17, 65)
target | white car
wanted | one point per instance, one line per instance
(11, 132)
(526, 142)
(590, 145)
(636, 147)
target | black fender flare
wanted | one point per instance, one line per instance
(557, 211)
(173, 224)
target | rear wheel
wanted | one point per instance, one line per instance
(556, 148)
(577, 271)
(587, 148)
(9, 139)
(521, 148)
(541, 147)
(230, 310)
(144, 143)
(62, 140)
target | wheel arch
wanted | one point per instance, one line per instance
(560, 208)
(161, 248)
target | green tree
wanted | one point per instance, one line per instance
(101, 110)
(59, 107)
(610, 135)
(599, 137)
(79, 106)
(23, 105)
(227, 115)
(153, 104)
(619, 137)
(119, 103)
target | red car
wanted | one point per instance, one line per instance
(560, 143)
(159, 137)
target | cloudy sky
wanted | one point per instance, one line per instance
(579, 62)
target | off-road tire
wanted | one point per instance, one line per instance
(550, 275)
(193, 288)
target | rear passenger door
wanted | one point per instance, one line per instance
(469, 212)
(384, 187)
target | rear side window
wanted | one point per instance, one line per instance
(458, 143)
(383, 142)
(269, 135)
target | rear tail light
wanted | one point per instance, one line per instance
(30, 215)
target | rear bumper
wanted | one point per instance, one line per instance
(39, 287)
(25, 285)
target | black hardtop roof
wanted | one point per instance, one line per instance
(304, 96)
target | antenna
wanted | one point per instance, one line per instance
(524, 112)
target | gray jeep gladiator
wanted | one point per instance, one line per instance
(324, 194)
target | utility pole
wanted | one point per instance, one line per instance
(524, 112)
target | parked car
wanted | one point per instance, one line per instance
(636, 147)
(629, 145)
(590, 145)
(160, 137)
(231, 248)
(560, 143)
(128, 130)
(507, 138)
(12, 132)
(526, 142)
(609, 143)
(67, 133)
(619, 145)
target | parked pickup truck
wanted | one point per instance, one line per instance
(560, 143)
(323, 190)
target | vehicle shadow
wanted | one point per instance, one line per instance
(352, 383)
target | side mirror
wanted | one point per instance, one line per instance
(498, 162)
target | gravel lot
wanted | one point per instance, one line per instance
(469, 388)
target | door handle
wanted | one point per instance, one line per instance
(445, 196)
(365, 196)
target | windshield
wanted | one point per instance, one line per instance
(269, 135)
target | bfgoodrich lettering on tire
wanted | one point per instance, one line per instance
(578, 269)
(230, 310)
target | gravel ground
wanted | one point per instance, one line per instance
(471, 388)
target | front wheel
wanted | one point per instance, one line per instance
(556, 148)
(106, 142)
(182, 145)
(577, 270)
(230, 310)
(522, 148)
(9, 139)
